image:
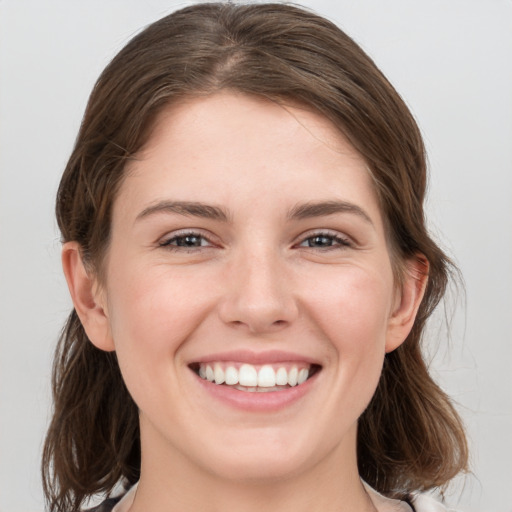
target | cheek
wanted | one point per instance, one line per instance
(353, 308)
(150, 317)
(352, 314)
(153, 307)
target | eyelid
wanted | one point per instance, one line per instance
(165, 240)
(340, 239)
(344, 240)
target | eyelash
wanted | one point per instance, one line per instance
(335, 240)
(168, 243)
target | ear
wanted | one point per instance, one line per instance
(87, 296)
(407, 302)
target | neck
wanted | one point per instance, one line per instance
(171, 482)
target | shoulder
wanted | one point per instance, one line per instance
(105, 506)
(416, 502)
(425, 503)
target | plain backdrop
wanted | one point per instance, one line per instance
(452, 63)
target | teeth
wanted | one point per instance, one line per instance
(266, 377)
(247, 375)
(281, 377)
(303, 376)
(248, 378)
(219, 374)
(231, 375)
(256, 389)
(292, 376)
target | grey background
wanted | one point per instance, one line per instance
(451, 61)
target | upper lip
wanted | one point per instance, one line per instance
(256, 358)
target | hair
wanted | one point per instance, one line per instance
(410, 437)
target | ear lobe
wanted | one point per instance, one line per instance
(87, 297)
(408, 301)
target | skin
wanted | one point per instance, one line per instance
(258, 281)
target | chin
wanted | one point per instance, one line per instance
(263, 469)
(263, 457)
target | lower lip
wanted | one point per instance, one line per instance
(257, 401)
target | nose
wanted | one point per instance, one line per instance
(258, 295)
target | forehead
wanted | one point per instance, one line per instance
(233, 146)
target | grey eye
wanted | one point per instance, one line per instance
(320, 241)
(189, 241)
(325, 241)
(186, 240)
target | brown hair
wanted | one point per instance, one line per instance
(410, 437)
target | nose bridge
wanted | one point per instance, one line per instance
(262, 276)
(259, 296)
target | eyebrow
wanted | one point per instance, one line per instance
(187, 208)
(298, 212)
(320, 209)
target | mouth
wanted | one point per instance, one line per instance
(261, 378)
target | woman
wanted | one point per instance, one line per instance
(245, 247)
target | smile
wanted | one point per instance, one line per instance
(256, 378)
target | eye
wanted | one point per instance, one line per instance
(325, 241)
(186, 241)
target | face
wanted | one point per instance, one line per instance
(249, 292)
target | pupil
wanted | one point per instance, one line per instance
(189, 241)
(322, 241)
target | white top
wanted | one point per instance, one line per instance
(421, 502)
